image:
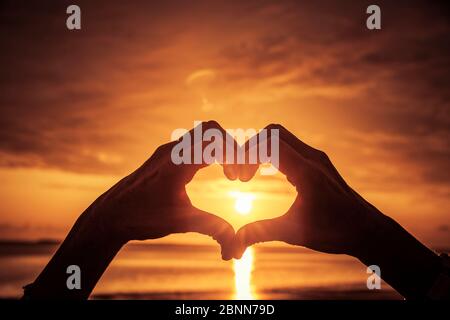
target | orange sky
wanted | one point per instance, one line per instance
(78, 110)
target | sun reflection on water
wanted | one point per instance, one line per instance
(243, 276)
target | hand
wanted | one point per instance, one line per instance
(331, 217)
(327, 214)
(152, 202)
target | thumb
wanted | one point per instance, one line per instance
(209, 224)
(258, 231)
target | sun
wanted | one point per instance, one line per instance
(243, 203)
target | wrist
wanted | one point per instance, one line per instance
(405, 263)
(98, 222)
(88, 246)
(372, 233)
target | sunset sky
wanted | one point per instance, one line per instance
(81, 109)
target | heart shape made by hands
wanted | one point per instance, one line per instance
(240, 203)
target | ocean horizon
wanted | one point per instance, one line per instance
(193, 271)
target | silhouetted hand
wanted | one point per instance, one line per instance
(329, 216)
(152, 202)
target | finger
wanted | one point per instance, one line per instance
(290, 162)
(259, 231)
(302, 148)
(209, 224)
(209, 143)
(226, 146)
(316, 156)
(250, 149)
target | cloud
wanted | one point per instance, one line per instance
(100, 100)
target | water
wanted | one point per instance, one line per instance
(168, 271)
